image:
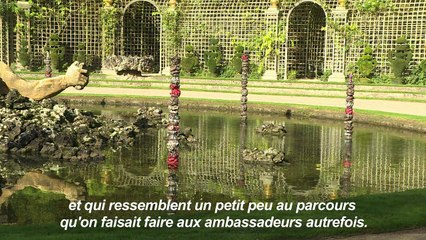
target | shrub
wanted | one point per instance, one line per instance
(190, 63)
(237, 63)
(24, 56)
(418, 75)
(214, 57)
(400, 59)
(326, 75)
(57, 53)
(366, 64)
(81, 53)
(292, 75)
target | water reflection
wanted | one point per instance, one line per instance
(386, 161)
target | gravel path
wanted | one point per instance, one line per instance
(411, 108)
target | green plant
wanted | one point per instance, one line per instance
(24, 56)
(171, 19)
(382, 79)
(109, 17)
(254, 73)
(366, 64)
(236, 59)
(418, 75)
(373, 6)
(81, 53)
(400, 58)
(190, 63)
(214, 57)
(7, 8)
(326, 75)
(57, 52)
(292, 75)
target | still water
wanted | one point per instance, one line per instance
(383, 160)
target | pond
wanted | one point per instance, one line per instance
(383, 160)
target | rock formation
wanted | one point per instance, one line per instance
(272, 129)
(268, 156)
(60, 132)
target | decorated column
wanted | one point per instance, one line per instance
(271, 61)
(337, 45)
(173, 129)
(349, 109)
(347, 163)
(244, 92)
(48, 67)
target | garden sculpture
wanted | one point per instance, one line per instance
(75, 76)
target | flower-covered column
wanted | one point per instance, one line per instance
(347, 163)
(173, 129)
(48, 67)
(349, 108)
(244, 92)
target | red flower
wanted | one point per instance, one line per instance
(347, 164)
(173, 161)
(245, 57)
(174, 86)
(173, 128)
(175, 92)
(349, 111)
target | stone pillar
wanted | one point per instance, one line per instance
(24, 8)
(271, 62)
(337, 46)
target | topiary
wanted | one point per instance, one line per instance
(400, 58)
(57, 52)
(236, 59)
(81, 53)
(366, 64)
(24, 56)
(214, 57)
(190, 63)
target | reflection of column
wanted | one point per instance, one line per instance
(173, 129)
(345, 180)
(267, 181)
(243, 136)
(271, 61)
(338, 45)
(347, 163)
(244, 91)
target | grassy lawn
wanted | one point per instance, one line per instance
(381, 212)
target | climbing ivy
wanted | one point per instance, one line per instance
(171, 19)
(109, 16)
(373, 6)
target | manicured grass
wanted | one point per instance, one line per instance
(270, 105)
(381, 212)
